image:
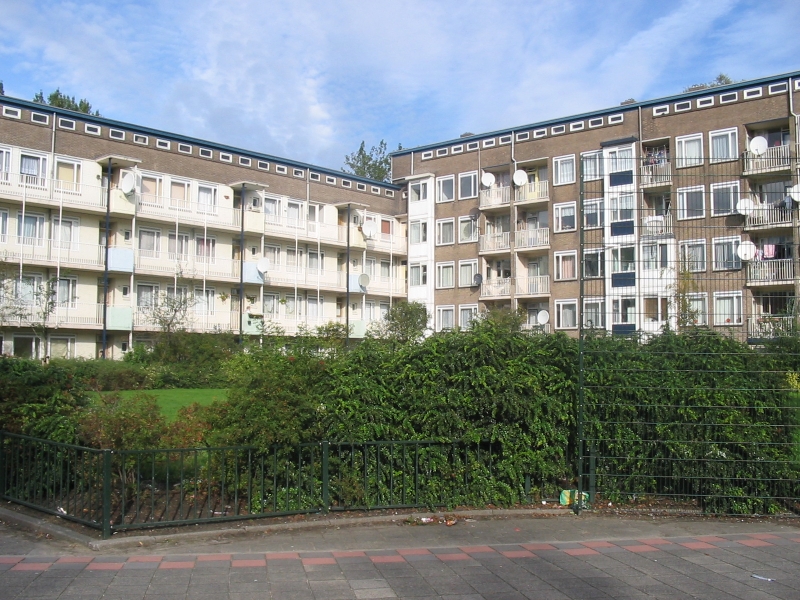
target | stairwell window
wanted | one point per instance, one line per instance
(417, 275)
(418, 232)
(622, 207)
(593, 214)
(418, 191)
(723, 145)
(594, 313)
(689, 150)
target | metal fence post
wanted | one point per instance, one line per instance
(2, 465)
(106, 494)
(326, 500)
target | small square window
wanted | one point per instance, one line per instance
(441, 152)
(66, 124)
(615, 119)
(598, 122)
(346, 183)
(263, 165)
(539, 133)
(298, 173)
(472, 146)
(390, 193)
(506, 139)
(245, 162)
(375, 189)
(361, 187)
(314, 176)
(558, 129)
(92, 129)
(40, 118)
(116, 134)
(281, 169)
(225, 157)
(140, 139)
(163, 144)
(427, 155)
(184, 148)
(206, 153)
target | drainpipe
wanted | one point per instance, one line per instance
(347, 284)
(105, 262)
(241, 268)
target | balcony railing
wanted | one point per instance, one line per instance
(496, 287)
(186, 266)
(533, 286)
(532, 238)
(536, 328)
(536, 191)
(50, 252)
(657, 225)
(495, 197)
(766, 215)
(770, 326)
(63, 313)
(53, 191)
(495, 242)
(196, 213)
(766, 272)
(775, 158)
(656, 175)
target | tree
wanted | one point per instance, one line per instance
(722, 79)
(406, 322)
(61, 100)
(28, 302)
(375, 164)
(2, 91)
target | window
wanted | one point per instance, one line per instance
(445, 232)
(149, 242)
(467, 230)
(594, 263)
(179, 194)
(40, 118)
(466, 315)
(61, 347)
(564, 217)
(693, 309)
(693, 255)
(290, 305)
(727, 308)
(689, 150)
(620, 159)
(31, 229)
(178, 246)
(592, 165)
(594, 313)
(68, 176)
(185, 148)
(67, 292)
(725, 255)
(418, 191)
(205, 153)
(656, 309)
(204, 301)
(622, 207)
(140, 139)
(445, 189)
(623, 259)
(468, 185)
(624, 310)
(65, 233)
(146, 295)
(206, 199)
(445, 317)
(13, 113)
(565, 265)
(163, 144)
(5, 163)
(723, 145)
(691, 203)
(593, 213)
(417, 275)
(316, 261)
(418, 232)
(566, 314)
(444, 275)
(67, 124)
(270, 305)
(205, 249)
(564, 170)
(29, 288)
(116, 134)
(33, 170)
(654, 256)
(314, 306)
(3, 226)
(467, 269)
(724, 197)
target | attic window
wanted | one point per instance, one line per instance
(314, 176)
(752, 93)
(298, 173)
(598, 122)
(506, 139)
(375, 190)
(361, 187)
(778, 88)
(92, 129)
(281, 169)
(225, 157)
(245, 162)
(331, 180)
(116, 134)
(704, 102)
(163, 144)
(576, 126)
(427, 155)
(683, 106)
(346, 183)
(472, 146)
(457, 149)
(66, 124)
(206, 153)
(12, 113)
(263, 165)
(521, 137)
(558, 129)
(539, 133)
(614, 119)
(488, 143)
(40, 118)
(728, 98)
(390, 193)
(660, 111)
(441, 152)
(185, 148)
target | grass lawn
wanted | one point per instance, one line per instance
(172, 400)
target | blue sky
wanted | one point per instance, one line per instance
(309, 80)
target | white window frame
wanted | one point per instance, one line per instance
(617, 209)
(440, 311)
(560, 307)
(618, 317)
(418, 191)
(71, 284)
(734, 240)
(557, 163)
(440, 182)
(601, 302)
(733, 186)
(37, 179)
(275, 297)
(468, 281)
(70, 339)
(736, 318)
(601, 263)
(5, 163)
(620, 164)
(595, 160)
(440, 228)
(618, 265)
(441, 269)
(422, 275)
(473, 314)
(4, 217)
(474, 226)
(692, 267)
(418, 232)
(63, 185)
(594, 206)
(156, 251)
(682, 161)
(662, 302)
(204, 303)
(39, 234)
(732, 134)
(558, 217)
(204, 207)
(472, 178)
(74, 229)
(683, 209)
(702, 315)
(558, 261)
(655, 256)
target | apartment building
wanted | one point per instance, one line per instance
(675, 212)
(110, 232)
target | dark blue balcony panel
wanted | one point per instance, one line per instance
(623, 279)
(623, 328)
(620, 178)
(622, 228)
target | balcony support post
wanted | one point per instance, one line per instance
(104, 354)
(241, 268)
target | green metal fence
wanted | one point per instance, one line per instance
(119, 490)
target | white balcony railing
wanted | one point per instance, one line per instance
(532, 238)
(770, 326)
(496, 287)
(186, 266)
(495, 197)
(63, 313)
(767, 215)
(196, 213)
(493, 242)
(656, 225)
(50, 252)
(656, 175)
(534, 192)
(536, 328)
(533, 286)
(770, 271)
(51, 191)
(775, 158)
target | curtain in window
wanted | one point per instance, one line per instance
(566, 171)
(447, 319)
(314, 307)
(720, 147)
(567, 267)
(148, 243)
(269, 305)
(29, 165)
(145, 296)
(206, 199)
(692, 151)
(59, 348)
(66, 291)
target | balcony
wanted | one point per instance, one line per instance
(535, 327)
(51, 252)
(63, 314)
(538, 191)
(656, 175)
(770, 272)
(768, 216)
(385, 242)
(532, 238)
(281, 226)
(496, 288)
(657, 225)
(770, 326)
(773, 160)
(533, 286)
(185, 266)
(182, 211)
(385, 285)
(495, 242)
(51, 191)
(495, 198)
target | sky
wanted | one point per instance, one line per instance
(310, 80)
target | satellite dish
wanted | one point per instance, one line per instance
(520, 178)
(475, 213)
(127, 183)
(369, 230)
(746, 250)
(263, 265)
(487, 179)
(477, 279)
(543, 317)
(745, 206)
(363, 280)
(758, 145)
(794, 192)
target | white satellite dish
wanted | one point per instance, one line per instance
(794, 192)
(543, 317)
(520, 178)
(263, 265)
(745, 206)
(369, 230)
(487, 179)
(363, 280)
(127, 183)
(746, 250)
(758, 145)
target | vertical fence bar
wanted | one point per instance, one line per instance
(326, 500)
(2, 465)
(106, 494)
